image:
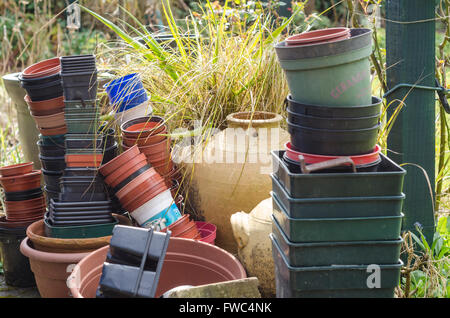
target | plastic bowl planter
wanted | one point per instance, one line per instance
(187, 262)
(17, 169)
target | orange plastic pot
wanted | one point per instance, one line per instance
(140, 183)
(147, 195)
(50, 121)
(15, 224)
(143, 127)
(23, 182)
(163, 168)
(319, 36)
(91, 160)
(62, 130)
(116, 177)
(45, 107)
(143, 141)
(36, 233)
(25, 204)
(50, 269)
(179, 226)
(43, 68)
(190, 231)
(157, 150)
(17, 169)
(120, 160)
(187, 262)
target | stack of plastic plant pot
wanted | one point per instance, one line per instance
(150, 135)
(134, 262)
(143, 192)
(83, 208)
(337, 200)
(128, 97)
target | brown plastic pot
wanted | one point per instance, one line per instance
(119, 175)
(25, 204)
(119, 161)
(143, 127)
(164, 167)
(45, 107)
(319, 36)
(17, 169)
(162, 147)
(190, 231)
(38, 214)
(85, 160)
(36, 233)
(50, 121)
(23, 182)
(179, 226)
(143, 141)
(62, 130)
(50, 269)
(132, 204)
(140, 183)
(187, 262)
(43, 68)
(15, 224)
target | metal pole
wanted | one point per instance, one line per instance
(410, 59)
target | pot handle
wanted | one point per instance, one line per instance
(306, 169)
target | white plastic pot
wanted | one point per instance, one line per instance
(160, 212)
(141, 110)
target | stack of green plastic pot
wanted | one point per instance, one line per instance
(337, 234)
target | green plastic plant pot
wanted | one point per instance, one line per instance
(336, 207)
(82, 126)
(336, 253)
(75, 105)
(333, 74)
(86, 231)
(338, 229)
(333, 281)
(386, 181)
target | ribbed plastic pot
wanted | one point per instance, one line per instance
(16, 267)
(319, 36)
(23, 182)
(79, 86)
(119, 161)
(50, 269)
(330, 73)
(17, 169)
(42, 68)
(187, 262)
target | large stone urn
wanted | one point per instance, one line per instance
(251, 231)
(232, 171)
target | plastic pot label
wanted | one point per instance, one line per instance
(163, 219)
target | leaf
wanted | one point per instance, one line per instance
(418, 241)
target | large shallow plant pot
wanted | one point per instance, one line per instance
(251, 231)
(187, 262)
(327, 73)
(50, 269)
(220, 188)
(28, 132)
(41, 242)
(16, 267)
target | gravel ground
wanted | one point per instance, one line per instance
(15, 292)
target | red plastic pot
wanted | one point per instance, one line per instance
(17, 169)
(46, 107)
(162, 147)
(146, 196)
(116, 177)
(43, 68)
(319, 36)
(91, 160)
(62, 130)
(143, 141)
(145, 180)
(179, 225)
(25, 204)
(163, 168)
(187, 262)
(120, 160)
(208, 232)
(312, 158)
(23, 182)
(143, 127)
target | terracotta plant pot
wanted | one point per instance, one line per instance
(187, 262)
(50, 269)
(92, 160)
(46, 107)
(143, 127)
(125, 171)
(143, 141)
(43, 68)
(18, 169)
(36, 233)
(121, 160)
(50, 121)
(319, 36)
(23, 182)
(62, 130)
(131, 203)
(25, 204)
(142, 182)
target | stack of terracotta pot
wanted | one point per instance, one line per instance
(150, 135)
(143, 192)
(25, 201)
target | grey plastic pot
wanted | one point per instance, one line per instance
(331, 73)
(28, 132)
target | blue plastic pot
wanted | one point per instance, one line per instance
(125, 89)
(130, 103)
